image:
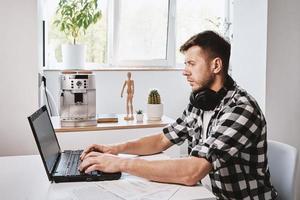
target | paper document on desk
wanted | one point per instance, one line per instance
(93, 193)
(138, 189)
(74, 191)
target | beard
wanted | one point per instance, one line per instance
(206, 83)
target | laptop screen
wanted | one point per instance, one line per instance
(45, 137)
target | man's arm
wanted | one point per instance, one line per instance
(144, 146)
(186, 171)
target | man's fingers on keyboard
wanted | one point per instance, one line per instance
(92, 154)
(91, 168)
(87, 150)
(86, 163)
(82, 155)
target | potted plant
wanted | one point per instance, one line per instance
(154, 106)
(73, 18)
(139, 116)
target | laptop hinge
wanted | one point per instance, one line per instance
(56, 164)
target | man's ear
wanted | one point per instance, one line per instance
(217, 65)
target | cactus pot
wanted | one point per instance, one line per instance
(154, 112)
(139, 117)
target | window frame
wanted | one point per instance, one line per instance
(113, 10)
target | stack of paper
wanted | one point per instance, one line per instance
(93, 193)
(138, 189)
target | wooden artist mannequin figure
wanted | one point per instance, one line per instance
(130, 93)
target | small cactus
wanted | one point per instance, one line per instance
(139, 112)
(154, 97)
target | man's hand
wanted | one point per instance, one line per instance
(99, 148)
(102, 162)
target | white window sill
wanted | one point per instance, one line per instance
(123, 69)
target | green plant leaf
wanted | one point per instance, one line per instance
(56, 22)
(74, 17)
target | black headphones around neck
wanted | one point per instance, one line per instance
(207, 99)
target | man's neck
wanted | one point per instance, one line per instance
(218, 83)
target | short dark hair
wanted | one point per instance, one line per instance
(213, 44)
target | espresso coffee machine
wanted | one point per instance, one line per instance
(78, 99)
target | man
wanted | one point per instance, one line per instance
(224, 126)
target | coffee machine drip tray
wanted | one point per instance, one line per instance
(78, 123)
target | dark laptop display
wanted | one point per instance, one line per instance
(48, 144)
(60, 166)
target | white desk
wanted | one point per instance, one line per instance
(24, 178)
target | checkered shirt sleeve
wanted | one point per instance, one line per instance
(177, 132)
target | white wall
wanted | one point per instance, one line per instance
(19, 68)
(283, 73)
(249, 47)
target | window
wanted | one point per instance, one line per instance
(194, 16)
(95, 38)
(143, 29)
(143, 32)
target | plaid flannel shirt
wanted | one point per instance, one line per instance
(235, 144)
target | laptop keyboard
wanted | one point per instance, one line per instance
(70, 162)
(73, 163)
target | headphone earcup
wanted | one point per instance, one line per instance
(205, 99)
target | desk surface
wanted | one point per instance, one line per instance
(24, 177)
(121, 124)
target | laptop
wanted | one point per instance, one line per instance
(60, 166)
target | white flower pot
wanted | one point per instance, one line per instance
(73, 56)
(139, 117)
(155, 112)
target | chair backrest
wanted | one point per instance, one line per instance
(282, 160)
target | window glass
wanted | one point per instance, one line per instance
(194, 16)
(143, 26)
(138, 30)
